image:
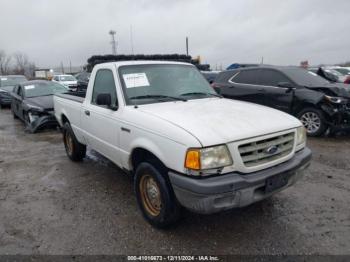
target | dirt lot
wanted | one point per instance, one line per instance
(49, 205)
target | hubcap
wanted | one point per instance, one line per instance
(69, 143)
(150, 195)
(311, 121)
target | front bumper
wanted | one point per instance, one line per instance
(42, 122)
(339, 117)
(214, 194)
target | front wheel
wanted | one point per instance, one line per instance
(155, 196)
(314, 121)
(75, 150)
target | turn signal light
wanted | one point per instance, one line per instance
(193, 159)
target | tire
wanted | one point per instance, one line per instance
(314, 121)
(162, 209)
(75, 150)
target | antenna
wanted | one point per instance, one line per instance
(113, 42)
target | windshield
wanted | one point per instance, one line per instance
(67, 78)
(43, 89)
(11, 81)
(303, 77)
(343, 71)
(144, 84)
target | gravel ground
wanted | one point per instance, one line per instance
(50, 205)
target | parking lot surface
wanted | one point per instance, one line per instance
(50, 205)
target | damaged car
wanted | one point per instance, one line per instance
(319, 104)
(32, 102)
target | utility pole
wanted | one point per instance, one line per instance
(70, 66)
(113, 42)
(62, 68)
(262, 60)
(186, 45)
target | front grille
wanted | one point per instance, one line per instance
(266, 150)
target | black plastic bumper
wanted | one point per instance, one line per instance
(214, 194)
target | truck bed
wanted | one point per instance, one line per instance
(77, 96)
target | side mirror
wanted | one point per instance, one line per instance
(105, 100)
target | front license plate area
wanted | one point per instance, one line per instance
(276, 182)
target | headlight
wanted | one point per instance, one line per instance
(335, 100)
(208, 158)
(301, 137)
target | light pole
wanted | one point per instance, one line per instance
(113, 42)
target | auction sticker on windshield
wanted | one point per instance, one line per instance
(29, 87)
(135, 80)
(3, 79)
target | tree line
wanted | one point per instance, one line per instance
(16, 64)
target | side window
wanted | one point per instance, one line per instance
(245, 77)
(104, 84)
(269, 77)
(19, 91)
(56, 78)
(15, 89)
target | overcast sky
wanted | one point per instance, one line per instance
(222, 32)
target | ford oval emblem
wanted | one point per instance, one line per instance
(272, 150)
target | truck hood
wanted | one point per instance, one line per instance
(216, 121)
(339, 89)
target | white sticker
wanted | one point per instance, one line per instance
(3, 79)
(29, 87)
(135, 80)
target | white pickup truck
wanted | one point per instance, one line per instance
(184, 144)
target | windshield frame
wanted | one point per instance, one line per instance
(131, 102)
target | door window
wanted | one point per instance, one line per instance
(19, 91)
(245, 77)
(104, 84)
(269, 77)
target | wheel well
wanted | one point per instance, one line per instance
(64, 119)
(140, 155)
(302, 107)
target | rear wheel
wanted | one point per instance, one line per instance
(314, 121)
(155, 196)
(75, 150)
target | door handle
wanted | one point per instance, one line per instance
(87, 112)
(261, 89)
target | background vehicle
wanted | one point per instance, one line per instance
(6, 85)
(32, 102)
(83, 80)
(210, 75)
(67, 80)
(316, 102)
(185, 144)
(329, 74)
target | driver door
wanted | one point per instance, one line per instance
(100, 123)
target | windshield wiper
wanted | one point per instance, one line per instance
(201, 93)
(158, 97)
